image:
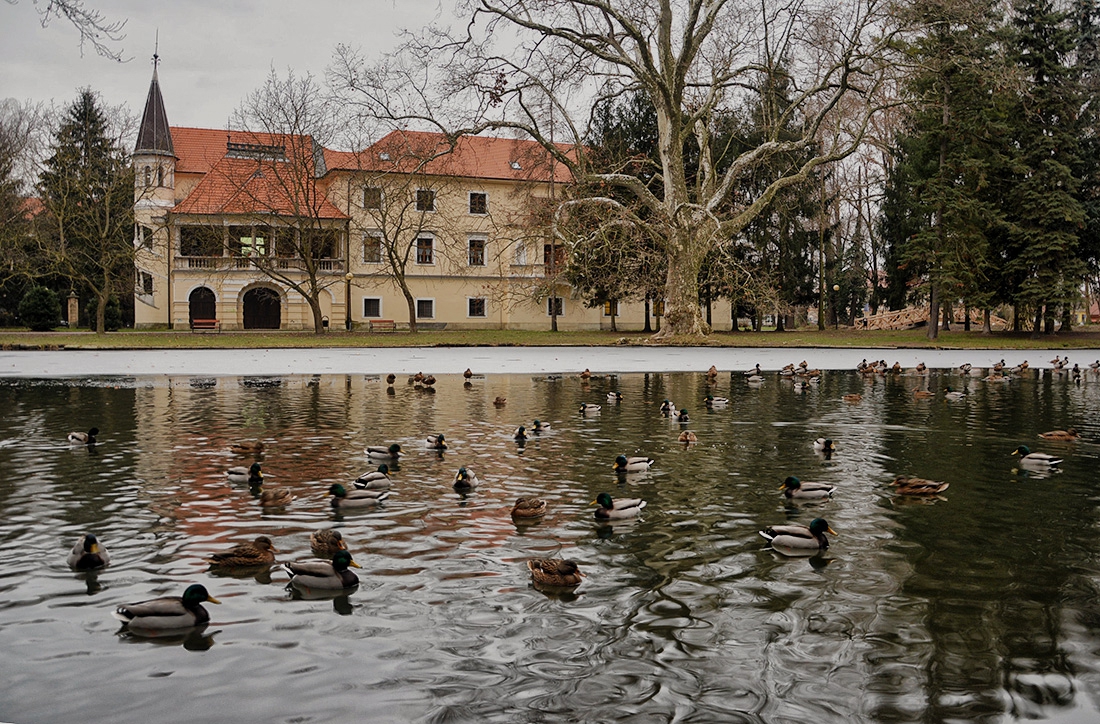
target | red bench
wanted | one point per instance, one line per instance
(206, 325)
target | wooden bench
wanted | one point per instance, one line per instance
(382, 325)
(206, 325)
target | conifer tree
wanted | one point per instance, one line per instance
(87, 188)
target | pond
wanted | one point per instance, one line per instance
(980, 604)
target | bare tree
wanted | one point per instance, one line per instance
(94, 27)
(691, 59)
(290, 231)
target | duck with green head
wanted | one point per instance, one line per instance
(465, 479)
(88, 554)
(795, 489)
(251, 475)
(799, 538)
(382, 452)
(309, 575)
(632, 464)
(437, 442)
(170, 613)
(375, 480)
(342, 498)
(610, 509)
(1037, 460)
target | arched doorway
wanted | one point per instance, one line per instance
(202, 304)
(262, 309)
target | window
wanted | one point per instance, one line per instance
(372, 197)
(143, 237)
(425, 200)
(160, 175)
(477, 252)
(372, 307)
(475, 307)
(520, 258)
(425, 309)
(145, 283)
(611, 308)
(201, 240)
(553, 258)
(424, 250)
(479, 202)
(243, 241)
(372, 248)
(148, 176)
(555, 307)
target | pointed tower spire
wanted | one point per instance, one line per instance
(154, 136)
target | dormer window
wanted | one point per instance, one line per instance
(515, 166)
(384, 156)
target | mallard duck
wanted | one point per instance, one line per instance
(275, 497)
(896, 367)
(465, 479)
(824, 444)
(907, 485)
(712, 401)
(343, 498)
(168, 613)
(617, 509)
(755, 371)
(83, 438)
(755, 379)
(88, 554)
(376, 480)
(590, 408)
(633, 464)
(500, 401)
(923, 394)
(247, 447)
(1035, 459)
(668, 407)
(520, 434)
(687, 437)
(953, 395)
(801, 386)
(260, 552)
(381, 452)
(555, 572)
(1095, 366)
(921, 368)
(391, 378)
(540, 426)
(795, 489)
(326, 543)
(799, 537)
(614, 396)
(429, 380)
(437, 442)
(998, 366)
(468, 373)
(587, 374)
(332, 576)
(853, 397)
(682, 416)
(528, 508)
(1019, 368)
(862, 365)
(1066, 435)
(251, 475)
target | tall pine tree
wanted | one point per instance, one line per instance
(87, 187)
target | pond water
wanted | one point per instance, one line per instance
(981, 605)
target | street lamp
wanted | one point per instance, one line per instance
(347, 300)
(836, 309)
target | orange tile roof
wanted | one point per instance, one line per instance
(253, 186)
(487, 157)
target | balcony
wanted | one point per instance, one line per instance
(243, 263)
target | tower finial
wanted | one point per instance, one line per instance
(156, 49)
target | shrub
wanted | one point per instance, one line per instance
(39, 309)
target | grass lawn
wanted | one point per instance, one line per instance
(1086, 337)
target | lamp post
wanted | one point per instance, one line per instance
(836, 309)
(347, 301)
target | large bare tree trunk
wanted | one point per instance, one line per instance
(682, 314)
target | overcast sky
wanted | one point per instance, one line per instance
(213, 52)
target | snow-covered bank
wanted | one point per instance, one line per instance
(489, 360)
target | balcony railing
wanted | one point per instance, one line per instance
(244, 263)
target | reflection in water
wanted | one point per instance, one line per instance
(980, 604)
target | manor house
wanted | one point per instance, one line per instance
(273, 231)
